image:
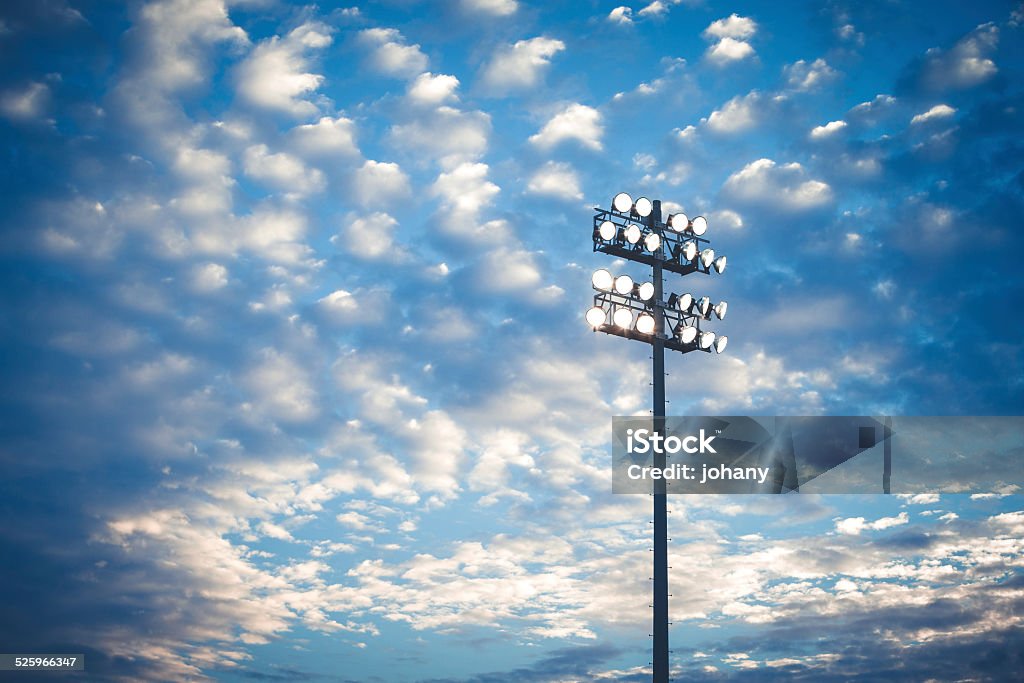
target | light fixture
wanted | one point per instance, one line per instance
(686, 333)
(652, 242)
(645, 291)
(707, 256)
(623, 317)
(602, 280)
(633, 233)
(622, 202)
(645, 324)
(684, 302)
(624, 284)
(689, 250)
(678, 222)
(720, 265)
(721, 343)
(699, 225)
(606, 231)
(720, 309)
(704, 306)
(707, 339)
(643, 207)
(596, 316)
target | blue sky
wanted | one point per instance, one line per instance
(296, 382)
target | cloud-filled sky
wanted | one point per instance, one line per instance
(296, 382)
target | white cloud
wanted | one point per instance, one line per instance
(852, 526)
(733, 26)
(939, 111)
(282, 170)
(25, 104)
(520, 65)
(576, 122)
(508, 269)
(431, 89)
(497, 8)
(389, 54)
(726, 218)
(281, 387)
(329, 137)
(446, 134)
(965, 65)
(465, 189)
(829, 129)
(656, 8)
(728, 50)
(379, 182)
(275, 76)
(209, 277)
(804, 76)
(370, 237)
(786, 187)
(555, 179)
(736, 115)
(174, 34)
(621, 15)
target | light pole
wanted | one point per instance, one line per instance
(634, 231)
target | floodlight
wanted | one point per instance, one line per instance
(684, 302)
(622, 202)
(678, 222)
(699, 225)
(643, 207)
(686, 333)
(720, 265)
(707, 339)
(704, 306)
(707, 256)
(645, 324)
(633, 233)
(624, 284)
(652, 242)
(602, 280)
(688, 250)
(596, 316)
(721, 308)
(645, 291)
(623, 317)
(721, 343)
(607, 230)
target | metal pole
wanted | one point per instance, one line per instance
(660, 498)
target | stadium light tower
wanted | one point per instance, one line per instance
(634, 231)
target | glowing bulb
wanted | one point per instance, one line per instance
(645, 324)
(646, 291)
(707, 256)
(699, 225)
(652, 242)
(721, 343)
(720, 309)
(607, 230)
(623, 317)
(707, 339)
(720, 265)
(633, 234)
(596, 316)
(602, 280)
(622, 202)
(678, 222)
(684, 302)
(687, 333)
(690, 250)
(624, 284)
(643, 207)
